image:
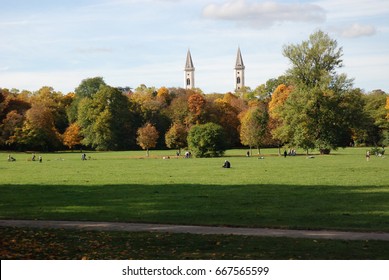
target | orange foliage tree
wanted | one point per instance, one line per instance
(147, 137)
(72, 137)
(196, 105)
(278, 99)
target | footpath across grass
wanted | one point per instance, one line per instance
(57, 244)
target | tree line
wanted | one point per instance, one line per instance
(311, 106)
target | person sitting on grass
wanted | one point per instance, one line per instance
(226, 164)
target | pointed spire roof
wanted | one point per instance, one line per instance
(189, 63)
(239, 60)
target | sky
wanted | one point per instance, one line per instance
(133, 42)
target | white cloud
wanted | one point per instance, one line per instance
(356, 30)
(264, 14)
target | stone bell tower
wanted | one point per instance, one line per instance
(189, 72)
(239, 71)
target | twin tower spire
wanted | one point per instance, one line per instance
(190, 78)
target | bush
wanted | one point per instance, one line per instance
(207, 140)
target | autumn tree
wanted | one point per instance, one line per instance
(38, 131)
(276, 104)
(12, 123)
(178, 109)
(163, 95)
(13, 108)
(176, 137)
(387, 107)
(227, 117)
(196, 105)
(253, 126)
(72, 136)
(152, 108)
(147, 137)
(56, 102)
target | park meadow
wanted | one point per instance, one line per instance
(340, 191)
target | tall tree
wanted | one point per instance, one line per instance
(89, 87)
(314, 112)
(147, 137)
(86, 89)
(314, 61)
(105, 120)
(377, 126)
(277, 101)
(253, 126)
(196, 105)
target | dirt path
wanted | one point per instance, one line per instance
(137, 227)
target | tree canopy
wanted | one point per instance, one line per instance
(311, 106)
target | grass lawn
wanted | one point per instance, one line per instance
(338, 191)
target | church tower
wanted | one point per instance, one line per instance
(239, 71)
(189, 72)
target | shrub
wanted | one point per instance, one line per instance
(207, 140)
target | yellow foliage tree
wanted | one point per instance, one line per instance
(387, 107)
(278, 99)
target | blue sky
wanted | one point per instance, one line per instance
(133, 42)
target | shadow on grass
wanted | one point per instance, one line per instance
(276, 206)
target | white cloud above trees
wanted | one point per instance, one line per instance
(356, 30)
(264, 14)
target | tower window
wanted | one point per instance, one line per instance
(188, 82)
(238, 80)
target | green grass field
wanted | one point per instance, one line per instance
(338, 191)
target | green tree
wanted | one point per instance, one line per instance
(316, 113)
(86, 89)
(105, 120)
(377, 125)
(89, 87)
(314, 61)
(206, 140)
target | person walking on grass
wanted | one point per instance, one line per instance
(368, 155)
